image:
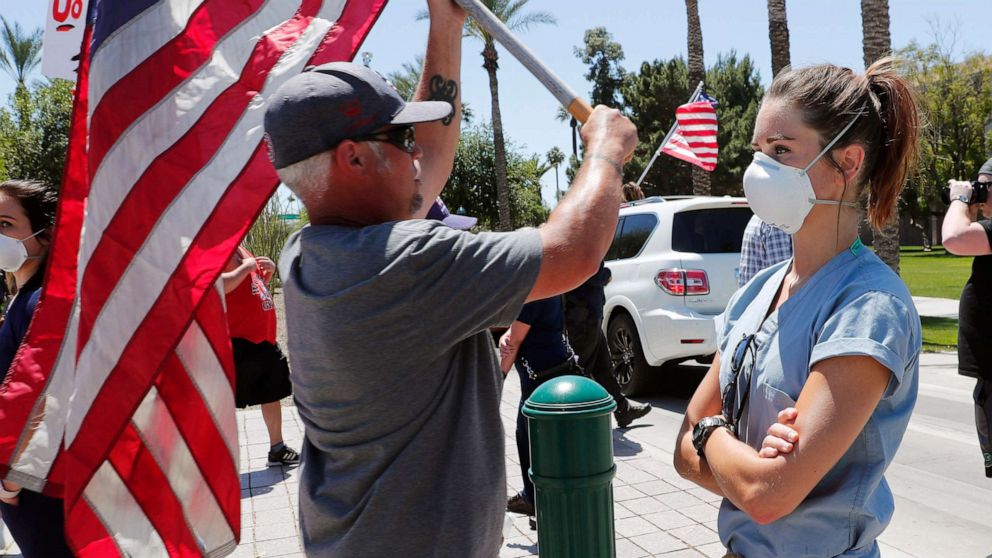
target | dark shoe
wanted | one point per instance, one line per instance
(532, 523)
(633, 412)
(284, 456)
(518, 504)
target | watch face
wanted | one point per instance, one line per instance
(702, 430)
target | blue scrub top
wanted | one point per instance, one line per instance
(16, 320)
(853, 305)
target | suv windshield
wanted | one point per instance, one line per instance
(710, 231)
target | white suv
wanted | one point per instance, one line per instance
(675, 264)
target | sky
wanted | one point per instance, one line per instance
(820, 31)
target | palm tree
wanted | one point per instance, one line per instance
(405, 79)
(778, 35)
(697, 73)
(555, 158)
(20, 52)
(877, 44)
(510, 13)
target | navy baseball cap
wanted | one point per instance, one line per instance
(439, 212)
(317, 109)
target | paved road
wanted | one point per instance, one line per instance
(943, 500)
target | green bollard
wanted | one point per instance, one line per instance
(571, 465)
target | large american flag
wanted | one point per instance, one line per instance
(121, 397)
(694, 137)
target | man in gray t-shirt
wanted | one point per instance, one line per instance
(395, 376)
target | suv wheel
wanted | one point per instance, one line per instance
(629, 366)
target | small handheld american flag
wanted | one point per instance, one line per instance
(694, 138)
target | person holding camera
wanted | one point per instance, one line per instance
(966, 235)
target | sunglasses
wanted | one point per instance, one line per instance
(402, 138)
(736, 393)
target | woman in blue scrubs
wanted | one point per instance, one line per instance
(816, 376)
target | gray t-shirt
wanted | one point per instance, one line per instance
(397, 382)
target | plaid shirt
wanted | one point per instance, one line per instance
(763, 245)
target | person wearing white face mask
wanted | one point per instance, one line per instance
(816, 375)
(27, 214)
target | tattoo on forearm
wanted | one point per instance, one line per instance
(441, 89)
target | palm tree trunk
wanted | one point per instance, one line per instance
(778, 35)
(875, 30)
(697, 73)
(877, 44)
(491, 64)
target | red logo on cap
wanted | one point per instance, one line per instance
(351, 108)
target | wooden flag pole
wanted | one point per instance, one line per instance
(575, 105)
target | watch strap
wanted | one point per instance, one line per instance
(707, 426)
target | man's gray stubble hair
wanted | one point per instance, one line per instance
(311, 177)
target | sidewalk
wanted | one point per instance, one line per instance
(936, 307)
(657, 513)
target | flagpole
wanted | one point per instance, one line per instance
(575, 105)
(693, 97)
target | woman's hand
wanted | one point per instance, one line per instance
(265, 267)
(782, 436)
(507, 352)
(11, 491)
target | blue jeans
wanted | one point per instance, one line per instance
(38, 525)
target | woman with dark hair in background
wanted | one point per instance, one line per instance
(27, 215)
(816, 375)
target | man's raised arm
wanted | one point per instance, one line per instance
(579, 231)
(440, 81)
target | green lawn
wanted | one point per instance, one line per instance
(939, 274)
(939, 334)
(934, 273)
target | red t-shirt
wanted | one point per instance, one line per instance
(251, 314)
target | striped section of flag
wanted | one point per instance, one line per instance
(694, 138)
(121, 398)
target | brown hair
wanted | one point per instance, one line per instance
(887, 126)
(632, 192)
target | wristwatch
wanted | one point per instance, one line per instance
(704, 428)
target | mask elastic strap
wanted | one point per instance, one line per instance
(833, 202)
(32, 236)
(833, 141)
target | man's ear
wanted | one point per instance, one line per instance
(351, 158)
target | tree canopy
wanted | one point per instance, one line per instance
(472, 185)
(34, 131)
(956, 97)
(654, 92)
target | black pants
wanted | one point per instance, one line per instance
(983, 421)
(38, 525)
(527, 387)
(589, 343)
